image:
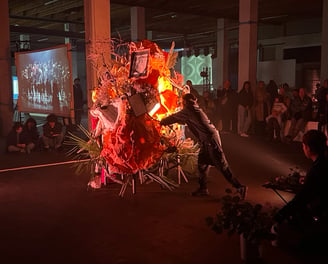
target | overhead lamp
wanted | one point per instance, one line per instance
(50, 2)
(43, 39)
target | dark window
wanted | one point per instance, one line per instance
(305, 54)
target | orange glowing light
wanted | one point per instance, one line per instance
(168, 98)
(94, 95)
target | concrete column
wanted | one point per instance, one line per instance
(70, 27)
(324, 42)
(6, 93)
(138, 25)
(97, 38)
(222, 48)
(247, 42)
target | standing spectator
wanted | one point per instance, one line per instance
(301, 109)
(325, 125)
(284, 98)
(30, 134)
(15, 141)
(211, 152)
(209, 106)
(321, 97)
(78, 101)
(52, 133)
(226, 107)
(245, 103)
(262, 108)
(272, 89)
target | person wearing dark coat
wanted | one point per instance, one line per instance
(301, 108)
(245, 103)
(227, 107)
(78, 101)
(52, 133)
(306, 215)
(15, 141)
(30, 134)
(322, 102)
(211, 152)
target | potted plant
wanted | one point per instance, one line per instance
(253, 222)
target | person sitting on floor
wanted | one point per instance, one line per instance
(30, 134)
(15, 140)
(304, 220)
(52, 133)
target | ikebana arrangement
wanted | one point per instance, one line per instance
(291, 182)
(137, 88)
(253, 222)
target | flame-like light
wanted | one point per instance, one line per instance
(154, 110)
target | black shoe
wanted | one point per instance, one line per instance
(200, 192)
(242, 192)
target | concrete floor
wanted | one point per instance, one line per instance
(47, 215)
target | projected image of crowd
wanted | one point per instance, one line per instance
(44, 86)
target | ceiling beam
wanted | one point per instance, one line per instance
(47, 32)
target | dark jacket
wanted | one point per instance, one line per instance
(245, 98)
(48, 131)
(196, 120)
(302, 108)
(227, 99)
(78, 97)
(30, 135)
(321, 96)
(312, 200)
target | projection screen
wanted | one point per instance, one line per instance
(44, 81)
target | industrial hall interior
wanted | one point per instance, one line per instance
(164, 131)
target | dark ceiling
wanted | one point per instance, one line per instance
(189, 23)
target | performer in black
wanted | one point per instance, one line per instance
(211, 152)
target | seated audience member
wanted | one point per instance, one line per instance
(15, 140)
(274, 121)
(301, 109)
(52, 133)
(321, 97)
(304, 220)
(30, 134)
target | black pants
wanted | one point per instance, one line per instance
(272, 128)
(211, 153)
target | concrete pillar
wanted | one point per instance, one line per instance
(138, 26)
(70, 27)
(97, 39)
(324, 42)
(222, 48)
(6, 93)
(247, 42)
